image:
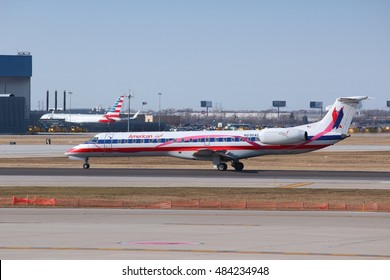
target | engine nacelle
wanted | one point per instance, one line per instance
(282, 136)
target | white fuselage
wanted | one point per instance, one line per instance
(189, 145)
(73, 118)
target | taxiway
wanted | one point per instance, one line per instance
(200, 234)
(193, 178)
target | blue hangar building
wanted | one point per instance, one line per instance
(15, 92)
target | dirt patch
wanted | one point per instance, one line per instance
(155, 195)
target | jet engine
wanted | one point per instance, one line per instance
(282, 136)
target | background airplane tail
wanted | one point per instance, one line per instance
(339, 117)
(115, 110)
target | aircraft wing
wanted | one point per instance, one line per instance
(135, 115)
(210, 154)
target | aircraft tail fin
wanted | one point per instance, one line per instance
(115, 110)
(114, 113)
(339, 117)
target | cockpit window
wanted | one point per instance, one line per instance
(94, 140)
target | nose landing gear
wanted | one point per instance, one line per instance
(86, 164)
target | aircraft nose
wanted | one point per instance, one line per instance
(71, 151)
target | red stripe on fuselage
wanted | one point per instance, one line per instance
(86, 150)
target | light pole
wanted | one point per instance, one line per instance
(70, 106)
(159, 111)
(128, 113)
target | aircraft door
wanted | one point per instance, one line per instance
(207, 141)
(108, 140)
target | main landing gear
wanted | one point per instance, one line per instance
(86, 164)
(237, 165)
(222, 166)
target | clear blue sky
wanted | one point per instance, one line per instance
(239, 54)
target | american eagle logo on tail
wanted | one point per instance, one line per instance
(337, 117)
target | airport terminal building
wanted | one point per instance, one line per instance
(15, 92)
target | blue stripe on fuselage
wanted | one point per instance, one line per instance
(328, 137)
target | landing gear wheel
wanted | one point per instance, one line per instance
(222, 166)
(238, 166)
(86, 165)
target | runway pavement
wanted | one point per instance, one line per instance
(193, 178)
(166, 234)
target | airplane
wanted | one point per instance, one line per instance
(112, 115)
(222, 147)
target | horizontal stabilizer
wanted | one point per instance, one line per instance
(352, 99)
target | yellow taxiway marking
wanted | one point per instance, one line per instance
(296, 185)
